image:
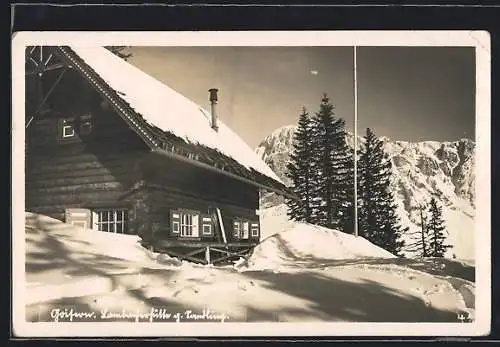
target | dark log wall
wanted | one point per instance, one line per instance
(158, 202)
(195, 181)
(89, 171)
(174, 184)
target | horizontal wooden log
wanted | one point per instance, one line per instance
(77, 181)
(195, 244)
(93, 198)
(53, 159)
(35, 176)
(79, 188)
(76, 146)
(78, 170)
(158, 196)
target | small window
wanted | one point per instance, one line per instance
(175, 227)
(68, 131)
(245, 230)
(114, 221)
(207, 229)
(206, 226)
(254, 231)
(185, 223)
(236, 228)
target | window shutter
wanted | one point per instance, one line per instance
(206, 226)
(255, 229)
(95, 221)
(236, 228)
(196, 225)
(246, 230)
(175, 222)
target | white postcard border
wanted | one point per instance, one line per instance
(478, 39)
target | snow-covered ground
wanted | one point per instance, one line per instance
(298, 273)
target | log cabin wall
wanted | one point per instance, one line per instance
(91, 169)
(178, 186)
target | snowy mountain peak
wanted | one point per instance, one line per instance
(421, 170)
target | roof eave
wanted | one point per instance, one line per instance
(223, 172)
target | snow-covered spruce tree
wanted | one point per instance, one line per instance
(300, 171)
(436, 228)
(344, 187)
(333, 162)
(378, 221)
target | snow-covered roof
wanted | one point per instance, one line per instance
(161, 106)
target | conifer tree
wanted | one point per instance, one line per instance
(420, 239)
(437, 245)
(300, 171)
(345, 183)
(378, 220)
(333, 160)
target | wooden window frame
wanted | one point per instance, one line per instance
(245, 222)
(204, 227)
(237, 231)
(65, 135)
(206, 223)
(254, 226)
(85, 121)
(176, 227)
(183, 231)
(112, 223)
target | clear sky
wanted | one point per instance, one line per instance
(405, 93)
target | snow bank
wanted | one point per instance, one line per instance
(288, 242)
(79, 241)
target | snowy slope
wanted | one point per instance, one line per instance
(443, 170)
(288, 241)
(153, 100)
(105, 272)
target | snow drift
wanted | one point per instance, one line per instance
(289, 241)
(52, 244)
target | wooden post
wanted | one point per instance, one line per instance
(221, 225)
(207, 255)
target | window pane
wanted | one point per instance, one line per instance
(207, 229)
(112, 221)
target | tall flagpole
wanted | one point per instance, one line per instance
(355, 143)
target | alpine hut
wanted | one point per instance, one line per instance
(112, 149)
